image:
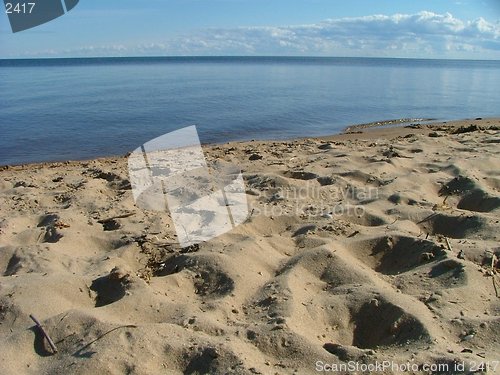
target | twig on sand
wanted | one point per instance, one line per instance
(448, 244)
(428, 218)
(249, 218)
(44, 333)
(494, 260)
(353, 234)
(388, 226)
(123, 216)
(104, 334)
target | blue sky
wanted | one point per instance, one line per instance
(385, 28)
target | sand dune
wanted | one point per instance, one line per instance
(374, 245)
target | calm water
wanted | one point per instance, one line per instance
(83, 108)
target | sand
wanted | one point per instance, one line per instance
(377, 245)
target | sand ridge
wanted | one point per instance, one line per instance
(378, 245)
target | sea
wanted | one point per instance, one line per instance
(82, 108)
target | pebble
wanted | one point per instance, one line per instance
(468, 337)
(255, 157)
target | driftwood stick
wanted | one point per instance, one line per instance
(427, 218)
(123, 216)
(101, 336)
(494, 273)
(44, 333)
(353, 234)
(448, 244)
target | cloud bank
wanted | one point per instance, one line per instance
(424, 34)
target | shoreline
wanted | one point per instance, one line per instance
(387, 123)
(383, 128)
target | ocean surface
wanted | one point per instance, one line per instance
(60, 109)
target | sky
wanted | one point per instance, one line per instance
(462, 29)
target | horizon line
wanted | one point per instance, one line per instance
(240, 56)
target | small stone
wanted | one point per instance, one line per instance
(111, 225)
(212, 352)
(325, 146)
(255, 157)
(468, 337)
(118, 273)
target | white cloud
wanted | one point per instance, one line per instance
(424, 34)
(402, 34)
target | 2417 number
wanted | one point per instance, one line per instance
(24, 8)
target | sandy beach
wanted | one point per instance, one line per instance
(379, 245)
